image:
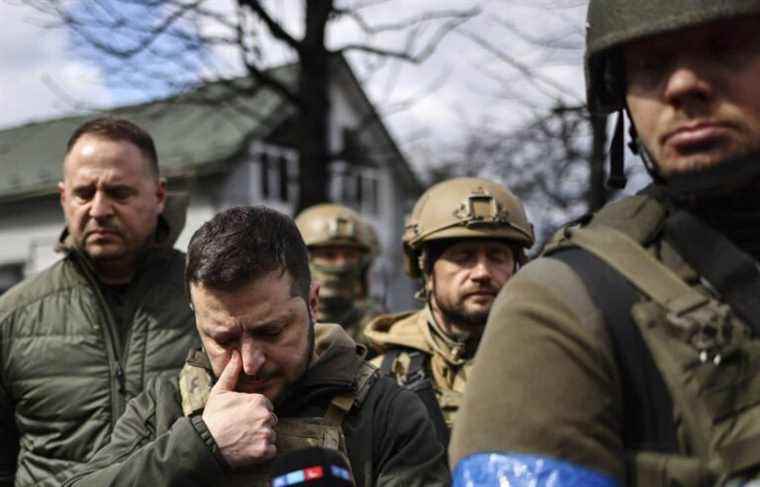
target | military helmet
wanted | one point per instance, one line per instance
(331, 224)
(613, 23)
(464, 208)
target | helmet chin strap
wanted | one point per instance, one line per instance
(617, 179)
(638, 148)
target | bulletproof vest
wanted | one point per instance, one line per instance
(410, 368)
(688, 352)
(195, 385)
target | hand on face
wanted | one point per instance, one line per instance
(242, 424)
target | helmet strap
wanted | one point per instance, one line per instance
(617, 179)
(638, 148)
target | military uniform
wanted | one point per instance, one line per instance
(354, 318)
(561, 381)
(416, 350)
(627, 354)
(344, 289)
(340, 404)
(447, 360)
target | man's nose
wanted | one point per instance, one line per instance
(482, 269)
(252, 355)
(100, 207)
(689, 82)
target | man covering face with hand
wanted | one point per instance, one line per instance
(268, 380)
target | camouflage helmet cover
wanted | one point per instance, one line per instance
(613, 23)
(331, 224)
(464, 208)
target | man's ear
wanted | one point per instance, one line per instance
(62, 192)
(160, 195)
(313, 302)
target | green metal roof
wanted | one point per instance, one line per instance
(193, 132)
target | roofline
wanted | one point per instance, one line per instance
(411, 175)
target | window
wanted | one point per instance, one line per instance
(277, 176)
(356, 186)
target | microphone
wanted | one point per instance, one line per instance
(311, 467)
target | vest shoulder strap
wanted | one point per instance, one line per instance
(645, 397)
(343, 403)
(597, 263)
(417, 379)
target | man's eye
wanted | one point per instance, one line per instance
(84, 194)
(461, 257)
(270, 332)
(120, 193)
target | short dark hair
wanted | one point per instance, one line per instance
(119, 129)
(246, 243)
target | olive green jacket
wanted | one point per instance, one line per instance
(388, 437)
(547, 382)
(66, 376)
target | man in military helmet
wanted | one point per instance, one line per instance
(627, 355)
(268, 381)
(342, 247)
(465, 238)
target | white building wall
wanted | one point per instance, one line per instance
(29, 232)
(201, 210)
(391, 283)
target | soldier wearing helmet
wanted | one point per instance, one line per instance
(342, 247)
(465, 238)
(626, 355)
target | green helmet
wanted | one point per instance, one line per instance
(613, 23)
(463, 208)
(330, 224)
(327, 225)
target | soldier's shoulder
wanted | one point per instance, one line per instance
(550, 287)
(397, 331)
(637, 216)
(385, 322)
(400, 325)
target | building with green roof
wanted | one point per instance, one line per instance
(221, 154)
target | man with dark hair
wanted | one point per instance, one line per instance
(118, 130)
(83, 337)
(267, 381)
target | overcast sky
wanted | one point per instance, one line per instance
(464, 86)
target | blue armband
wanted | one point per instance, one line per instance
(516, 470)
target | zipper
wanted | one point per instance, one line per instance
(111, 335)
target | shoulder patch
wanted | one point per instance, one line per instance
(195, 385)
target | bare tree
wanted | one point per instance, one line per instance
(172, 46)
(555, 158)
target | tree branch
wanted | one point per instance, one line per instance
(523, 68)
(406, 54)
(274, 27)
(407, 23)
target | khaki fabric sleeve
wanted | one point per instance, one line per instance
(545, 380)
